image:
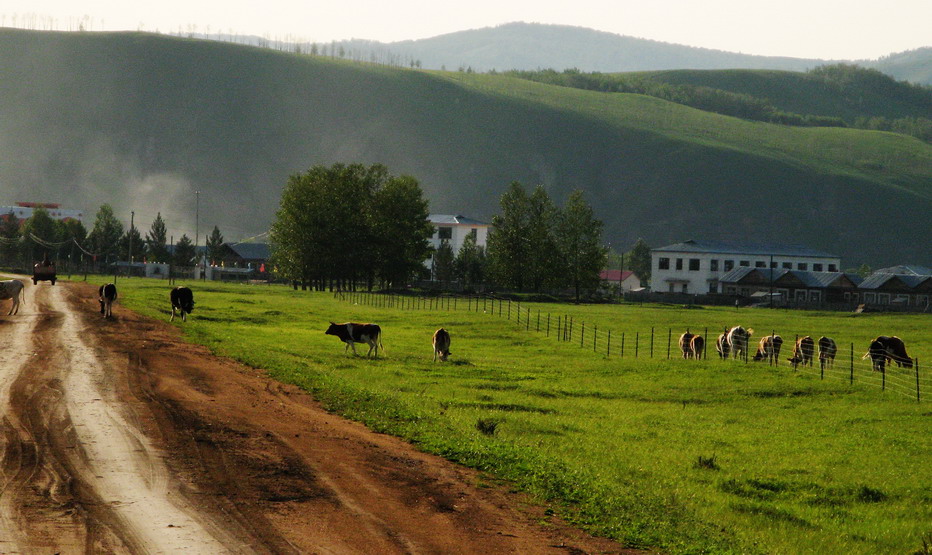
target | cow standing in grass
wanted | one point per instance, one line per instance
(441, 345)
(721, 344)
(827, 350)
(738, 338)
(106, 295)
(352, 333)
(803, 352)
(697, 346)
(12, 289)
(769, 348)
(894, 349)
(685, 347)
(182, 299)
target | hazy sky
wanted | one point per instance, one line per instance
(827, 29)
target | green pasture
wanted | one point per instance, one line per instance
(673, 455)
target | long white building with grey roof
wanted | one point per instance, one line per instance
(696, 266)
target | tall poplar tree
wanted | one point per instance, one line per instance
(157, 241)
(508, 242)
(105, 236)
(579, 236)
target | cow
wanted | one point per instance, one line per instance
(697, 346)
(352, 333)
(894, 349)
(738, 338)
(685, 341)
(12, 289)
(106, 295)
(803, 352)
(877, 352)
(827, 350)
(768, 348)
(441, 344)
(182, 300)
(721, 344)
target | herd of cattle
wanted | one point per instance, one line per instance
(731, 342)
(734, 342)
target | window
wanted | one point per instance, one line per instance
(787, 265)
(679, 263)
(815, 296)
(714, 265)
(445, 233)
(685, 288)
(802, 266)
(832, 268)
(773, 264)
(663, 264)
(760, 264)
(474, 233)
(816, 267)
(672, 290)
(745, 263)
(801, 295)
(713, 287)
(729, 264)
(693, 264)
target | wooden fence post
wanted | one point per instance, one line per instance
(608, 351)
(852, 364)
(622, 345)
(582, 334)
(652, 342)
(595, 335)
(637, 342)
(527, 321)
(669, 340)
(916, 364)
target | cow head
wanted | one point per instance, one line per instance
(334, 329)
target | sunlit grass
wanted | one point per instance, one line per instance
(801, 464)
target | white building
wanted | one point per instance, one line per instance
(695, 266)
(454, 230)
(23, 211)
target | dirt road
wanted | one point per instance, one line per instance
(117, 437)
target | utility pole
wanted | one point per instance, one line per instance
(132, 218)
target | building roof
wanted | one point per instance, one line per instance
(615, 275)
(808, 279)
(906, 270)
(878, 280)
(735, 247)
(251, 251)
(449, 219)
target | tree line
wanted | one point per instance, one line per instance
(108, 241)
(349, 226)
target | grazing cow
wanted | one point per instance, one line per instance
(697, 346)
(441, 344)
(827, 350)
(106, 295)
(803, 352)
(12, 289)
(877, 351)
(895, 350)
(352, 333)
(685, 341)
(768, 348)
(721, 344)
(182, 300)
(738, 338)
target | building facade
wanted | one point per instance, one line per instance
(696, 267)
(454, 229)
(23, 211)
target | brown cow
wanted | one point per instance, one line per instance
(441, 344)
(803, 352)
(721, 344)
(697, 346)
(827, 350)
(685, 341)
(895, 350)
(768, 348)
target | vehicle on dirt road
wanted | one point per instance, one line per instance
(43, 271)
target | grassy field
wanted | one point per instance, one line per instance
(682, 456)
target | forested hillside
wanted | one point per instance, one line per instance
(143, 121)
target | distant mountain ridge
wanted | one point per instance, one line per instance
(530, 46)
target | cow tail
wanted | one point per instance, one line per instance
(380, 341)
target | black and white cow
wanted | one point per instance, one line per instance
(12, 289)
(182, 300)
(441, 344)
(827, 351)
(721, 344)
(352, 333)
(738, 338)
(106, 295)
(894, 350)
(686, 344)
(803, 352)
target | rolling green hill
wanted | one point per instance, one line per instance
(142, 121)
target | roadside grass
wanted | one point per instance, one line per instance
(801, 465)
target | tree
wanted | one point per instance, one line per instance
(41, 235)
(10, 237)
(184, 252)
(157, 241)
(542, 261)
(579, 236)
(508, 242)
(639, 260)
(132, 238)
(105, 236)
(443, 262)
(402, 230)
(74, 232)
(470, 264)
(215, 246)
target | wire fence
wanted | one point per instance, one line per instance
(848, 363)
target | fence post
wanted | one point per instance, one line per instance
(608, 350)
(582, 334)
(795, 355)
(852, 364)
(548, 324)
(883, 380)
(637, 342)
(538, 320)
(527, 321)
(559, 326)
(509, 309)
(669, 340)
(622, 345)
(916, 364)
(518, 321)
(595, 336)
(652, 342)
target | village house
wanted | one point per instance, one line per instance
(696, 267)
(453, 229)
(626, 280)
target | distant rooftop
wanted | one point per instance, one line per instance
(906, 270)
(734, 247)
(810, 279)
(457, 219)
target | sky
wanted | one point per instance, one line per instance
(824, 29)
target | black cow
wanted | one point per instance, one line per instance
(441, 344)
(827, 351)
(182, 300)
(894, 349)
(106, 295)
(877, 352)
(352, 333)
